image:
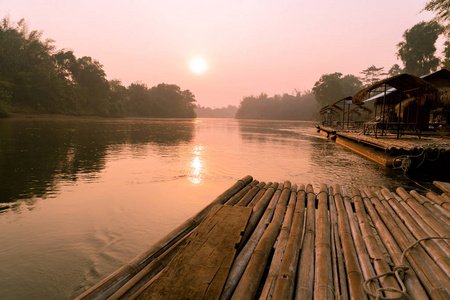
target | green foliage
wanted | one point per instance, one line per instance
(332, 87)
(222, 112)
(278, 107)
(417, 51)
(36, 78)
(372, 74)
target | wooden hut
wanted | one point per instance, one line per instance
(343, 114)
(407, 108)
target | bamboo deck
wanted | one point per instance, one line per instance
(284, 241)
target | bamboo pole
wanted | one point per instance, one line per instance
(412, 282)
(354, 275)
(433, 247)
(280, 249)
(440, 228)
(238, 196)
(249, 282)
(340, 282)
(146, 274)
(323, 282)
(443, 186)
(284, 286)
(242, 259)
(440, 200)
(442, 214)
(363, 256)
(374, 250)
(445, 197)
(305, 277)
(261, 193)
(425, 270)
(410, 239)
(259, 209)
(113, 282)
(250, 194)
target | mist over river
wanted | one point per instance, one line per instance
(80, 198)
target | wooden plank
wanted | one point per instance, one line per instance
(201, 267)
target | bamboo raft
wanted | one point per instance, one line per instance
(283, 241)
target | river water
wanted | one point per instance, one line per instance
(80, 198)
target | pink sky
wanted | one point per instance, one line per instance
(251, 47)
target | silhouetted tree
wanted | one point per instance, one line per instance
(394, 70)
(372, 74)
(332, 87)
(442, 10)
(417, 51)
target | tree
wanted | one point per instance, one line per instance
(394, 70)
(417, 51)
(332, 87)
(446, 52)
(372, 74)
(442, 10)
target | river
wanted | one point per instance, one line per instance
(80, 198)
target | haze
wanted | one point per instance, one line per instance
(250, 47)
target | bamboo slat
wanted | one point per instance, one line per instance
(438, 211)
(354, 274)
(440, 200)
(269, 285)
(323, 287)
(425, 270)
(261, 193)
(241, 261)
(444, 186)
(363, 256)
(238, 196)
(249, 282)
(411, 280)
(340, 281)
(250, 194)
(374, 250)
(285, 284)
(305, 277)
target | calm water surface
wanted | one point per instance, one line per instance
(79, 198)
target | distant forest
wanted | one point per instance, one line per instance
(37, 78)
(302, 106)
(222, 112)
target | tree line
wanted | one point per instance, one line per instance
(35, 77)
(301, 106)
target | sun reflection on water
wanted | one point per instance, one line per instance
(196, 167)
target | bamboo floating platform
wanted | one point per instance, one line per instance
(265, 241)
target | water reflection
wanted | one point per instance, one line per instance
(196, 168)
(36, 155)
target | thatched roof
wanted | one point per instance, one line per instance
(405, 83)
(334, 105)
(445, 98)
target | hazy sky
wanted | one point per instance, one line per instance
(251, 47)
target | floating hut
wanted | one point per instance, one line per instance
(409, 127)
(282, 241)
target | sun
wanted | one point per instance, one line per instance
(198, 65)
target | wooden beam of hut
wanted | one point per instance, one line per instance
(416, 86)
(305, 274)
(278, 256)
(426, 271)
(374, 250)
(284, 286)
(412, 282)
(354, 273)
(241, 261)
(249, 282)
